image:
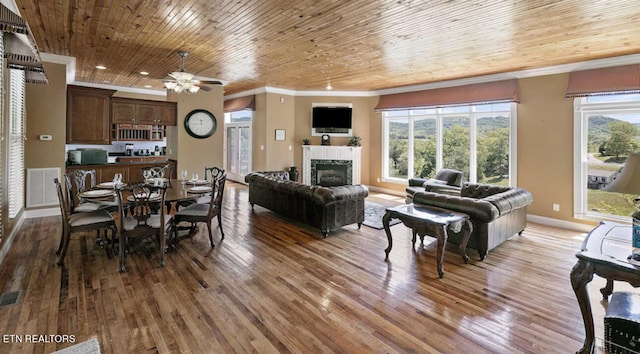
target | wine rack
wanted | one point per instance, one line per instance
(138, 132)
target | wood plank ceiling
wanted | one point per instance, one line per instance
(304, 45)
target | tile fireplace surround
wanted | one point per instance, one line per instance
(313, 155)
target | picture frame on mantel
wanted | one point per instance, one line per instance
(280, 134)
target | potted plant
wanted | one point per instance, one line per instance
(305, 141)
(354, 141)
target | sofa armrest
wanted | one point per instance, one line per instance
(510, 200)
(477, 209)
(415, 182)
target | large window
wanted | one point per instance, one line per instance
(607, 130)
(477, 139)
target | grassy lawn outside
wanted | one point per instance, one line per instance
(610, 202)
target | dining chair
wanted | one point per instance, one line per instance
(79, 181)
(165, 171)
(85, 221)
(202, 212)
(211, 174)
(140, 200)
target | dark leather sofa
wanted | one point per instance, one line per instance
(497, 212)
(325, 208)
(447, 181)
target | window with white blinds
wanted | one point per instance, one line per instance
(16, 140)
(2, 120)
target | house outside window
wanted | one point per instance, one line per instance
(607, 129)
(476, 139)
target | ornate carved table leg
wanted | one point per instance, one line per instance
(441, 235)
(581, 275)
(385, 222)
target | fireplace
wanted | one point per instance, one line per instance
(330, 165)
(328, 173)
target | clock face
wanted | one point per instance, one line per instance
(200, 123)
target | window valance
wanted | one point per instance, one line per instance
(20, 48)
(240, 103)
(604, 81)
(497, 91)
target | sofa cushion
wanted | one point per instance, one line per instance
(510, 200)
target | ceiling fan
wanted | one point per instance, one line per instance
(182, 81)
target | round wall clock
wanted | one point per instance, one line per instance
(200, 123)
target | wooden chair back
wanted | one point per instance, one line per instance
(78, 181)
(64, 205)
(211, 174)
(141, 201)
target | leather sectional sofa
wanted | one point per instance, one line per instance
(497, 212)
(325, 208)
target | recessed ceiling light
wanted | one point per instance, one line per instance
(329, 87)
(100, 67)
(148, 86)
(106, 81)
(144, 73)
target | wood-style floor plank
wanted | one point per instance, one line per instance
(274, 286)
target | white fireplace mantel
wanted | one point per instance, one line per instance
(322, 152)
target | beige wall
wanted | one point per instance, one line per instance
(280, 115)
(46, 107)
(361, 126)
(194, 154)
(273, 111)
(545, 144)
(258, 134)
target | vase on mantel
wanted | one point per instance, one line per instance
(293, 173)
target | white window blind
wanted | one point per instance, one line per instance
(16, 140)
(2, 121)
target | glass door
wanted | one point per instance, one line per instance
(238, 157)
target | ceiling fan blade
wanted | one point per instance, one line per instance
(210, 82)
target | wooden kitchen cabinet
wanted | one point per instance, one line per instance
(88, 115)
(132, 111)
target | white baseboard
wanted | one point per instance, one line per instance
(40, 213)
(386, 191)
(563, 224)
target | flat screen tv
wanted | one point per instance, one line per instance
(331, 117)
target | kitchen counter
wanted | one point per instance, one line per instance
(131, 169)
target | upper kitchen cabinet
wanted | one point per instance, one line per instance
(132, 111)
(88, 112)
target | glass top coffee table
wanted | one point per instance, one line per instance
(426, 220)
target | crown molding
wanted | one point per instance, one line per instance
(121, 88)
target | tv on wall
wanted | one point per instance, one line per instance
(331, 117)
(335, 120)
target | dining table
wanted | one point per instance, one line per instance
(176, 192)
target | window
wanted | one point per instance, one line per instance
(476, 139)
(606, 131)
(16, 141)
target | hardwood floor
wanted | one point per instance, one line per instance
(273, 286)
